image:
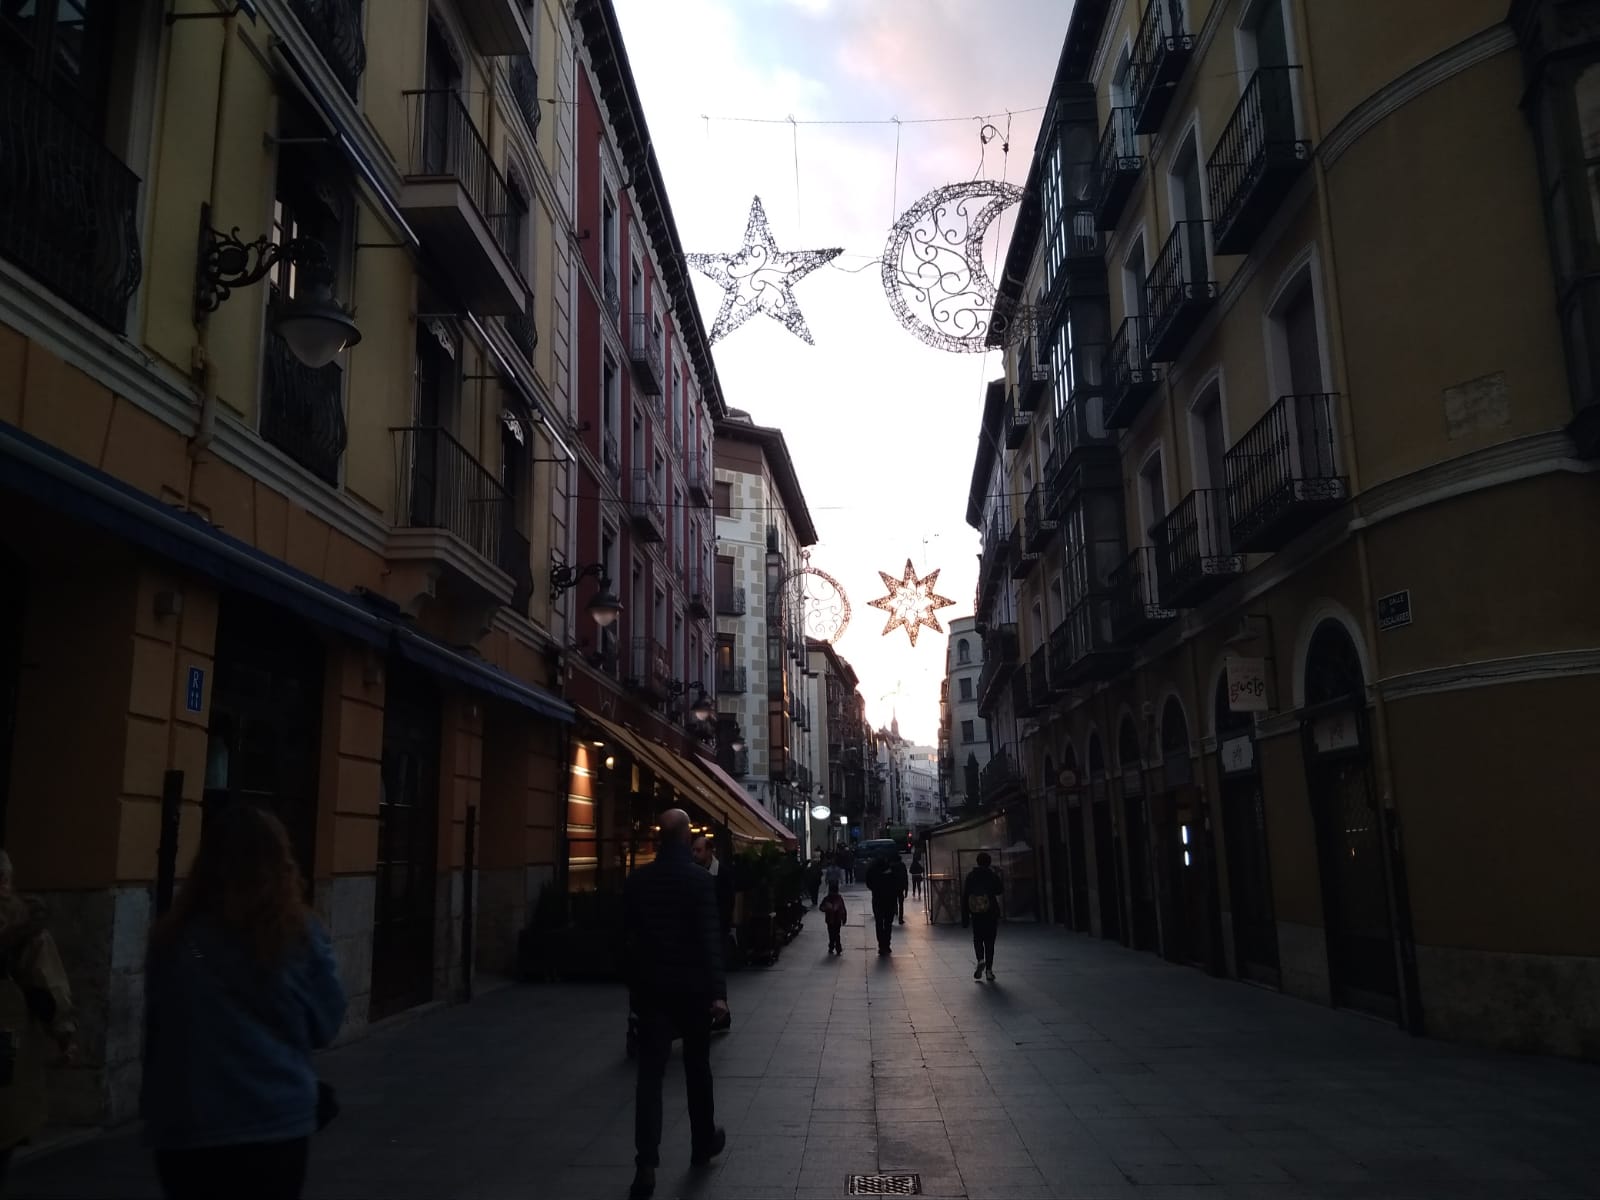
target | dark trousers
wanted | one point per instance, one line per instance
(983, 931)
(916, 885)
(833, 937)
(252, 1171)
(660, 1021)
(883, 917)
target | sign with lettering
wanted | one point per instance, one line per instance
(1394, 610)
(1247, 685)
(1237, 755)
(1339, 731)
(195, 694)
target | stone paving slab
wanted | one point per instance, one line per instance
(1086, 1072)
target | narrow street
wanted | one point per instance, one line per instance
(1085, 1071)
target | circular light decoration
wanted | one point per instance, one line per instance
(933, 272)
(820, 598)
(911, 602)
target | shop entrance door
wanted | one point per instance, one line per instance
(1076, 859)
(13, 605)
(408, 819)
(1141, 888)
(1255, 924)
(1105, 868)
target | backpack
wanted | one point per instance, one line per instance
(978, 904)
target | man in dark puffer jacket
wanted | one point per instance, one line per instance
(676, 984)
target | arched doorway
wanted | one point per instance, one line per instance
(1077, 858)
(1350, 841)
(1136, 839)
(1183, 849)
(1244, 832)
(1054, 804)
(1108, 889)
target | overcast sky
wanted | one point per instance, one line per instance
(882, 428)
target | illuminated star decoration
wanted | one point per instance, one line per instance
(760, 278)
(910, 602)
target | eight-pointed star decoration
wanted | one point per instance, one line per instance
(910, 602)
(759, 278)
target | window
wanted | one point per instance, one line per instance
(1152, 495)
(1186, 188)
(658, 615)
(1135, 272)
(636, 289)
(966, 688)
(609, 395)
(67, 46)
(608, 231)
(1208, 438)
(723, 498)
(517, 238)
(638, 441)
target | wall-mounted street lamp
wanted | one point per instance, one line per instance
(602, 606)
(702, 709)
(314, 325)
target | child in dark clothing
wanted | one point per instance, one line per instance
(834, 914)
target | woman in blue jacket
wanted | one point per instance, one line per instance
(240, 988)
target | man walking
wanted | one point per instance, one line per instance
(980, 906)
(885, 879)
(676, 985)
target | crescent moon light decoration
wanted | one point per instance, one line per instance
(933, 272)
(822, 602)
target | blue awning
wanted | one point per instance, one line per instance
(424, 652)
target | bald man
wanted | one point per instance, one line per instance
(676, 986)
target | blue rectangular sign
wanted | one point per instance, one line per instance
(195, 700)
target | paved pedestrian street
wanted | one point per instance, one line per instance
(1086, 1070)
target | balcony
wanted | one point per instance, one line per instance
(525, 90)
(497, 27)
(699, 597)
(644, 505)
(732, 681)
(999, 660)
(302, 410)
(1160, 56)
(611, 454)
(1088, 445)
(651, 670)
(1021, 704)
(610, 294)
(730, 602)
(1039, 680)
(644, 356)
(1039, 522)
(335, 27)
(1033, 375)
(1283, 475)
(1180, 290)
(449, 510)
(1117, 167)
(455, 198)
(1139, 611)
(1195, 555)
(999, 778)
(523, 333)
(1060, 658)
(699, 480)
(68, 206)
(1131, 378)
(1017, 422)
(1256, 160)
(1096, 653)
(1022, 559)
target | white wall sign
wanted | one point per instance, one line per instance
(1237, 755)
(1336, 732)
(1247, 685)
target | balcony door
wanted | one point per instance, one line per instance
(435, 417)
(1266, 34)
(68, 47)
(442, 79)
(1299, 360)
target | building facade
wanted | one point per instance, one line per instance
(1287, 628)
(963, 731)
(257, 550)
(762, 530)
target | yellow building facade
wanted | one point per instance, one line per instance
(238, 568)
(1288, 513)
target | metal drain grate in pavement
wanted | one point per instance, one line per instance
(886, 1185)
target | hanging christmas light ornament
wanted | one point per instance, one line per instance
(822, 599)
(759, 278)
(933, 272)
(911, 602)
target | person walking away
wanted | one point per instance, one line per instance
(847, 859)
(35, 1015)
(834, 874)
(835, 914)
(903, 882)
(917, 872)
(814, 877)
(980, 906)
(240, 988)
(884, 884)
(676, 985)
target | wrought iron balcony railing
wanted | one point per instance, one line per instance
(302, 409)
(1135, 584)
(1256, 159)
(525, 89)
(732, 681)
(1116, 169)
(1161, 52)
(699, 596)
(335, 27)
(1284, 473)
(652, 667)
(699, 480)
(444, 143)
(521, 329)
(611, 454)
(731, 602)
(644, 502)
(1195, 553)
(1033, 375)
(610, 294)
(442, 486)
(644, 355)
(1130, 375)
(1180, 290)
(1096, 653)
(1040, 522)
(1017, 420)
(68, 206)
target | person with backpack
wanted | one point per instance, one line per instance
(885, 879)
(980, 907)
(917, 872)
(835, 914)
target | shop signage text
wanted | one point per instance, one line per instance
(1237, 755)
(1247, 685)
(195, 693)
